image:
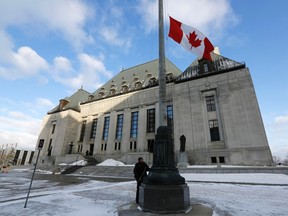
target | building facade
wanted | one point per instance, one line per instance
(11, 155)
(212, 105)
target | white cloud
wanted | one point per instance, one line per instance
(38, 106)
(62, 18)
(62, 64)
(24, 140)
(282, 119)
(6, 47)
(91, 72)
(112, 36)
(67, 17)
(43, 102)
(25, 62)
(206, 15)
(28, 61)
(20, 128)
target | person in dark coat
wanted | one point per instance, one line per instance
(140, 170)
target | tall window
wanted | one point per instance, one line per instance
(31, 157)
(24, 157)
(15, 160)
(150, 145)
(93, 129)
(80, 147)
(119, 127)
(50, 148)
(210, 102)
(151, 120)
(106, 128)
(214, 130)
(82, 131)
(133, 145)
(170, 123)
(53, 128)
(134, 125)
(117, 146)
(103, 146)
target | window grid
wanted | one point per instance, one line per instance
(170, 122)
(134, 125)
(83, 127)
(214, 130)
(119, 127)
(213, 123)
(93, 129)
(210, 102)
(106, 128)
(151, 120)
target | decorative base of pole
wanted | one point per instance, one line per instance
(164, 190)
(164, 199)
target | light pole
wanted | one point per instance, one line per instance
(40, 146)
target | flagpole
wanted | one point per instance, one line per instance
(163, 190)
(162, 70)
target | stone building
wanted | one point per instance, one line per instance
(212, 104)
(11, 155)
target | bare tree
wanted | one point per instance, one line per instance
(285, 161)
(277, 160)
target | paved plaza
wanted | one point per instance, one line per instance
(73, 195)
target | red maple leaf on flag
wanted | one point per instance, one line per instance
(192, 39)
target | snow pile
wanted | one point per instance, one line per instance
(111, 162)
(21, 170)
(79, 163)
(44, 171)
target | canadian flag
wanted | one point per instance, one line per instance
(191, 39)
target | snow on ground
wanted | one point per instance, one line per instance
(90, 197)
(249, 178)
(111, 162)
(79, 163)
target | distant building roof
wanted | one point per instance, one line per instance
(72, 102)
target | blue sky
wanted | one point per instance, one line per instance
(49, 49)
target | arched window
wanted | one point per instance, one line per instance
(112, 92)
(169, 77)
(124, 88)
(137, 85)
(152, 81)
(101, 95)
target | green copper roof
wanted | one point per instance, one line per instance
(135, 78)
(72, 102)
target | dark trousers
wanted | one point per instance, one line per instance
(137, 192)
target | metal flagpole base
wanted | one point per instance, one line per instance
(164, 191)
